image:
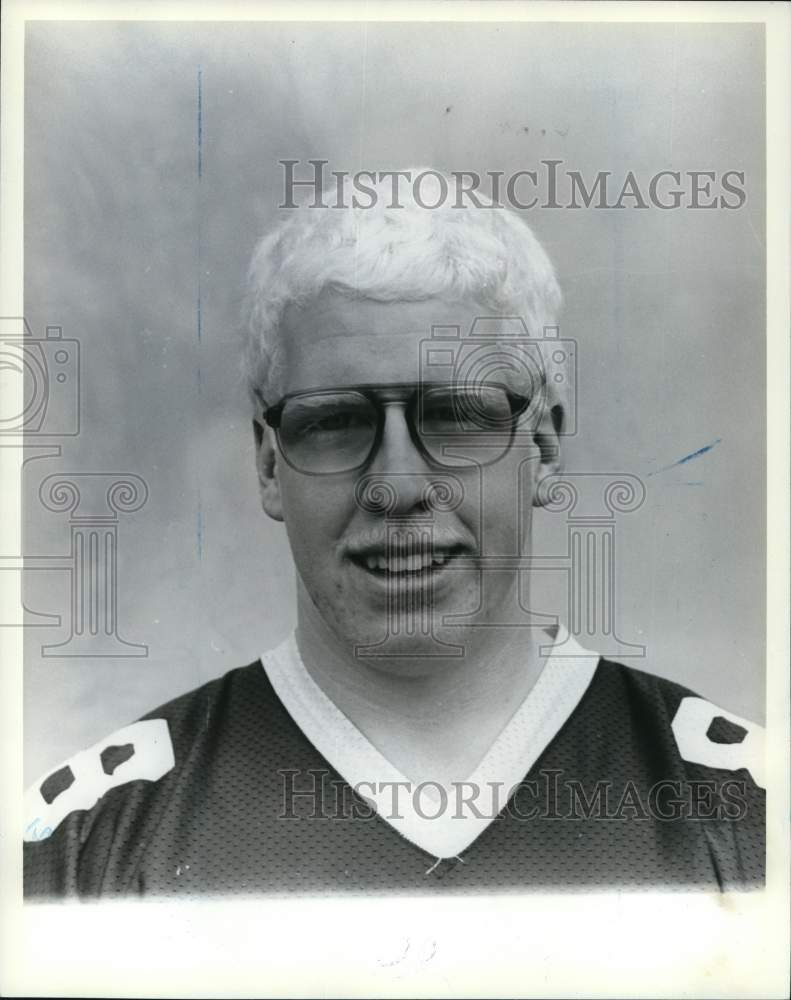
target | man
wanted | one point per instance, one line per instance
(411, 735)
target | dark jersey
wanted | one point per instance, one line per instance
(219, 791)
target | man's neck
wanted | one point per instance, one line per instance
(432, 724)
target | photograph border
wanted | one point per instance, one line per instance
(609, 944)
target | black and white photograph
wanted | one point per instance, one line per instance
(394, 430)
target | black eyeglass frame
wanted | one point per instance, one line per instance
(518, 402)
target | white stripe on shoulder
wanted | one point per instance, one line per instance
(691, 726)
(143, 750)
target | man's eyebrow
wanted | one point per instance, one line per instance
(377, 387)
(311, 400)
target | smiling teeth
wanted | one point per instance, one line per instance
(415, 563)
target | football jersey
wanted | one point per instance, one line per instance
(246, 786)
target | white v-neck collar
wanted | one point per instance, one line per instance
(437, 819)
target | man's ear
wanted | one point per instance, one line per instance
(266, 466)
(547, 437)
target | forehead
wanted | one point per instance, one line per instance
(333, 340)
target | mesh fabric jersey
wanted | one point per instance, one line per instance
(220, 792)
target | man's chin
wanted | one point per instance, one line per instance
(402, 645)
(390, 622)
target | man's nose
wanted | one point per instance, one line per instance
(399, 478)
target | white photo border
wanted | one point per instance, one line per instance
(612, 944)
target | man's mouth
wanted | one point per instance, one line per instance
(404, 563)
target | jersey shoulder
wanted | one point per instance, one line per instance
(704, 736)
(125, 779)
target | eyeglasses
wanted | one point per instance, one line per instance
(325, 431)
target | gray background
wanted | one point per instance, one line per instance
(122, 239)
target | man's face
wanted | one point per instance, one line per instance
(375, 573)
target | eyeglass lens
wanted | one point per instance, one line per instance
(322, 433)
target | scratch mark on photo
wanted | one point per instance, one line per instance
(688, 458)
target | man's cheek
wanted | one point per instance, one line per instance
(312, 519)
